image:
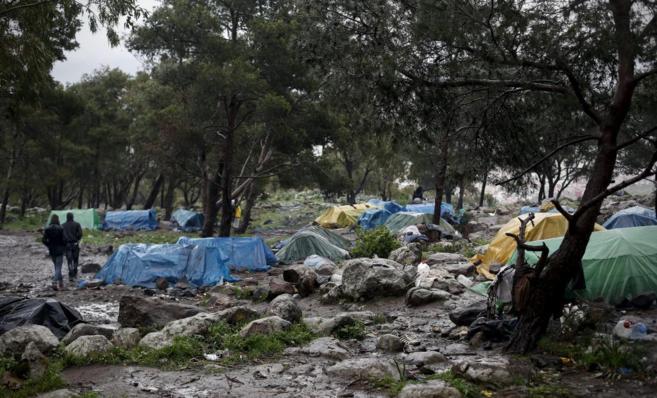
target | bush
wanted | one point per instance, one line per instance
(379, 241)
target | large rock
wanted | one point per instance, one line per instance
(446, 258)
(496, 374)
(16, 340)
(63, 393)
(303, 278)
(86, 345)
(465, 316)
(85, 329)
(366, 278)
(390, 343)
(364, 369)
(419, 296)
(278, 287)
(407, 255)
(267, 325)
(327, 326)
(431, 389)
(126, 338)
(37, 362)
(327, 347)
(141, 312)
(285, 307)
(423, 358)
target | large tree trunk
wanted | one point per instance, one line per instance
(9, 174)
(441, 173)
(227, 173)
(459, 205)
(210, 205)
(251, 195)
(541, 189)
(155, 189)
(482, 194)
(135, 191)
(169, 198)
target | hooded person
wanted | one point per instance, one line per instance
(53, 238)
(72, 237)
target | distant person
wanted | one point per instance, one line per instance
(418, 194)
(53, 238)
(72, 237)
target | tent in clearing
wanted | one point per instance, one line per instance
(618, 264)
(239, 253)
(131, 220)
(88, 218)
(403, 219)
(342, 216)
(500, 249)
(392, 206)
(313, 240)
(187, 220)
(429, 208)
(141, 265)
(373, 218)
(636, 216)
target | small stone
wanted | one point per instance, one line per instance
(431, 389)
(285, 307)
(364, 369)
(36, 361)
(90, 268)
(423, 358)
(260, 294)
(278, 287)
(327, 347)
(267, 325)
(86, 345)
(161, 283)
(419, 296)
(390, 343)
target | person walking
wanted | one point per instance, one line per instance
(72, 237)
(53, 238)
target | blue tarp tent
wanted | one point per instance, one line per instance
(240, 254)
(391, 206)
(373, 218)
(187, 220)
(636, 216)
(131, 220)
(428, 208)
(141, 264)
(529, 209)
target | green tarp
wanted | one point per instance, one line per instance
(618, 264)
(88, 218)
(313, 240)
(401, 220)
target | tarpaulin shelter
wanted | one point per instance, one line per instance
(239, 253)
(391, 206)
(21, 311)
(312, 241)
(529, 209)
(429, 208)
(188, 220)
(636, 216)
(335, 238)
(500, 249)
(142, 264)
(373, 218)
(403, 219)
(342, 216)
(618, 264)
(131, 220)
(88, 218)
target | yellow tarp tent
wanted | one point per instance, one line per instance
(342, 216)
(501, 248)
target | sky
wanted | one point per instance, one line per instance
(95, 52)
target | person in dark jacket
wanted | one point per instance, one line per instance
(72, 237)
(53, 238)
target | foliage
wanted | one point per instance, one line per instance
(466, 388)
(458, 246)
(104, 238)
(51, 380)
(353, 330)
(379, 241)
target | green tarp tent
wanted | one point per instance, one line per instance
(88, 218)
(618, 264)
(403, 219)
(313, 240)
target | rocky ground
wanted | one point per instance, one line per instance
(407, 337)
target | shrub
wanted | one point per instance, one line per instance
(379, 241)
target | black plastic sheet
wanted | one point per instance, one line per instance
(20, 311)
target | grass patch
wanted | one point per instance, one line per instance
(355, 330)
(548, 391)
(462, 247)
(389, 384)
(51, 380)
(104, 238)
(466, 388)
(31, 222)
(379, 241)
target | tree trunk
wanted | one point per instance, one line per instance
(9, 174)
(655, 193)
(459, 205)
(81, 196)
(227, 174)
(210, 205)
(482, 195)
(135, 192)
(441, 172)
(448, 195)
(155, 189)
(169, 198)
(251, 195)
(351, 197)
(541, 190)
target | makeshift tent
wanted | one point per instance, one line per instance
(187, 220)
(88, 218)
(500, 249)
(308, 242)
(334, 238)
(239, 253)
(131, 220)
(636, 216)
(529, 209)
(20, 311)
(342, 216)
(391, 206)
(142, 264)
(618, 264)
(429, 208)
(373, 218)
(403, 219)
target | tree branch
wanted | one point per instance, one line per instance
(644, 75)
(641, 136)
(563, 211)
(579, 94)
(23, 5)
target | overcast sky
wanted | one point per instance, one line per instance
(94, 52)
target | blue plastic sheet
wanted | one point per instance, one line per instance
(391, 206)
(132, 220)
(188, 221)
(428, 208)
(636, 216)
(239, 253)
(529, 209)
(142, 264)
(373, 218)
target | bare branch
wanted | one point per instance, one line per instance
(641, 136)
(563, 211)
(579, 94)
(644, 75)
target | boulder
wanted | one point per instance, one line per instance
(366, 278)
(90, 268)
(364, 369)
(85, 329)
(460, 268)
(446, 258)
(141, 312)
(495, 374)
(278, 287)
(303, 278)
(390, 343)
(126, 338)
(327, 347)
(423, 358)
(327, 326)
(419, 296)
(37, 362)
(407, 255)
(474, 226)
(326, 269)
(63, 393)
(430, 389)
(285, 307)
(267, 325)
(86, 345)
(465, 316)
(16, 340)
(237, 315)
(260, 294)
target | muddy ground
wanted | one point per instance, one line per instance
(26, 270)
